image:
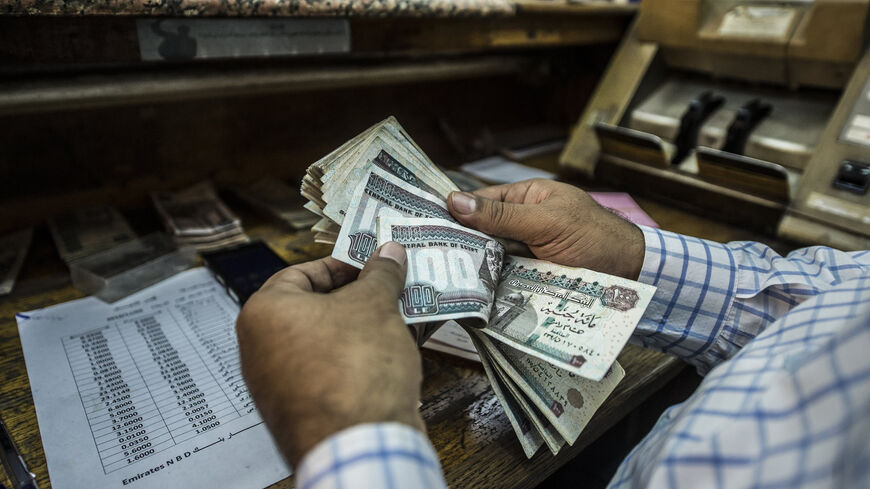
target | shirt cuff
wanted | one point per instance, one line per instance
(695, 283)
(379, 455)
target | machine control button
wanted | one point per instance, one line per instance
(853, 177)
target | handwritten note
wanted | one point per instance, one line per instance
(146, 392)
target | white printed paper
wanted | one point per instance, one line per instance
(147, 392)
(182, 39)
(757, 21)
(497, 169)
(452, 339)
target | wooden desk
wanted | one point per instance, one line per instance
(468, 428)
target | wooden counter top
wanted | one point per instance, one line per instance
(466, 424)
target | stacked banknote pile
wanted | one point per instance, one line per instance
(197, 217)
(13, 248)
(278, 200)
(548, 336)
(83, 232)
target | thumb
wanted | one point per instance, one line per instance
(494, 217)
(384, 272)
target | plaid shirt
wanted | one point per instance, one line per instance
(785, 346)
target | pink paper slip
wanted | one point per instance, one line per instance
(624, 206)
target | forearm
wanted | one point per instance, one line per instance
(695, 287)
(713, 298)
(380, 455)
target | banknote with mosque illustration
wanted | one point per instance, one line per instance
(573, 318)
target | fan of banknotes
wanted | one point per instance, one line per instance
(548, 335)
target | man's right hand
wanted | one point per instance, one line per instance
(557, 221)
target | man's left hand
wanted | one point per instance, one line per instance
(321, 353)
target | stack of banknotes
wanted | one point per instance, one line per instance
(548, 335)
(278, 200)
(83, 232)
(197, 217)
(13, 249)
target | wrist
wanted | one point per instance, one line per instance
(299, 431)
(634, 251)
(311, 435)
(360, 455)
(624, 249)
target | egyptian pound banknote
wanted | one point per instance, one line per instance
(381, 194)
(575, 319)
(453, 271)
(568, 401)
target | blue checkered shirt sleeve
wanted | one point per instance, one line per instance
(790, 408)
(713, 298)
(784, 342)
(372, 456)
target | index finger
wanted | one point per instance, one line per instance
(321, 275)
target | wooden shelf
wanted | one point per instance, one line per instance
(88, 91)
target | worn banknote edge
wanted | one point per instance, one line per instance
(355, 243)
(530, 440)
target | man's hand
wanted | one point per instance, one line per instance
(321, 354)
(558, 222)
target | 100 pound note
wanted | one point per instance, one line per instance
(575, 319)
(380, 194)
(452, 270)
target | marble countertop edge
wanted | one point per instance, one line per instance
(259, 8)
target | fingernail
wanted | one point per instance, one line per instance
(464, 203)
(394, 251)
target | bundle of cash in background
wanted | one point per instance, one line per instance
(88, 230)
(13, 249)
(548, 336)
(197, 217)
(278, 200)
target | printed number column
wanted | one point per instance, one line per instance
(123, 417)
(210, 325)
(187, 395)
